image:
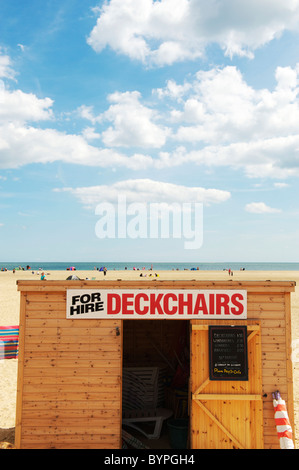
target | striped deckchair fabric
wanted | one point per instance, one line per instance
(9, 342)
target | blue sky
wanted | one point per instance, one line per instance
(159, 101)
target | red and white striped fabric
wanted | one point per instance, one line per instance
(283, 425)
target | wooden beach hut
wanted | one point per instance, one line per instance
(209, 352)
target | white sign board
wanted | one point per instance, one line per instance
(156, 304)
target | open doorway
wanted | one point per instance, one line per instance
(156, 371)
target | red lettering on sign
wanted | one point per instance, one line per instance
(185, 303)
(200, 304)
(128, 301)
(155, 304)
(240, 309)
(113, 304)
(167, 310)
(222, 301)
(138, 309)
(211, 304)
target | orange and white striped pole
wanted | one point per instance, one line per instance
(283, 425)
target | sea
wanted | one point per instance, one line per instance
(156, 266)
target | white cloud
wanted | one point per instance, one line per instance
(22, 47)
(272, 158)
(224, 108)
(17, 106)
(260, 208)
(22, 145)
(173, 90)
(128, 27)
(214, 120)
(89, 134)
(281, 185)
(133, 124)
(6, 70)
(147, 191)
(222, 121)
(86, 112)
(166, 31)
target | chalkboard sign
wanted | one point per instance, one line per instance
(228, 358)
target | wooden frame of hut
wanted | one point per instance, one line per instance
(70, 368)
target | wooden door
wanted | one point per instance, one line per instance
(225, 414)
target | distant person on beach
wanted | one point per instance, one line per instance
(105, 271)
(43, 277)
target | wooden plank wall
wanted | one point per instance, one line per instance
(69, 385)
(272, 310)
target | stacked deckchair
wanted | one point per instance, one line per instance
(9, 342)
(143, 387)
(143, 396)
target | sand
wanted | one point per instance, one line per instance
(9, 315)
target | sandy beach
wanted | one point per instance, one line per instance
(9, 315)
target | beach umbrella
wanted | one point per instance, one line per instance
(283, 425)
(73, 278)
